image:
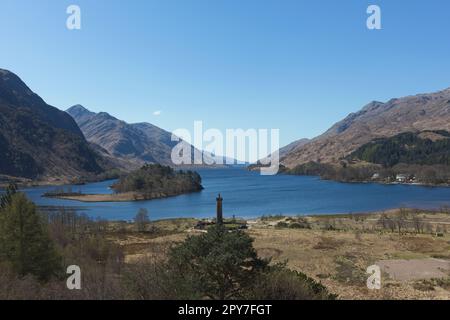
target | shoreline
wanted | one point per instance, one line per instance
(423, 184)
(116, 197)
(5, 180)
(23, 184)
(26, 183)
(124, 197)
(256, 217)
(394, 183)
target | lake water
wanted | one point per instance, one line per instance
(248, 194)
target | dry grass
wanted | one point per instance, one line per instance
(337, 256)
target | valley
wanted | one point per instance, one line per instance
(206, 155)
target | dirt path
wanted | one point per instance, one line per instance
(420, 269)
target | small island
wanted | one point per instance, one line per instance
(152, 181)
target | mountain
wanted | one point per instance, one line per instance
(38, 141)
(281, 153)
(292, 146)
(376, 120)
(137, 143)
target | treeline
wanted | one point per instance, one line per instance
(410, 221)
(341, 172)
(426, 174)
(402, 221)
(422, 157)
(36, 248)
(407, 148)
(62, 191)
(156, 179)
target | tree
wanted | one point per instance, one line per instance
(24, 240)
(418, 223)
(387, 223)
(141, 220)
(401, 219)
(5, 199)
(216, 265)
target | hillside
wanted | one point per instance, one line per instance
(421, 148)
(283, 151)
(409, 157)
(138, 143)
(292, 146)
(38, 141)
(376, 120)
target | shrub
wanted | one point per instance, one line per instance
(280, 283)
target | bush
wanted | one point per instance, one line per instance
(282, 225)
(280, 283)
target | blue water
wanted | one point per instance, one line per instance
(248, 194)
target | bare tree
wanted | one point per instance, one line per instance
(141, 220)
(401, 219)
(418, 224)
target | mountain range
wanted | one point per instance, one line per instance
(41, 142)
(133, 144)
(376, 120)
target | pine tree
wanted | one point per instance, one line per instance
(5, 199)
(217, 265)
(24, 240)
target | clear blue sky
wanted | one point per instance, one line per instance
(294, 65)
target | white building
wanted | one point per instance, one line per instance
(401, 178)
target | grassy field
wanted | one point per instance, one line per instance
(335, 250)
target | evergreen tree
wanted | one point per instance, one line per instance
(217, 265)
(5, 199)
(24, 240)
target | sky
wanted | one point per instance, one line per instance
(298, 66)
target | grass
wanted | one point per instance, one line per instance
(336, 257)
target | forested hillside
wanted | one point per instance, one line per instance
(423, 148)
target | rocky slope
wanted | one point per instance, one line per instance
(375, 120)
(137, 143)
(38, 141)
(292, 146)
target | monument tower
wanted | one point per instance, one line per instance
(219, 210)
